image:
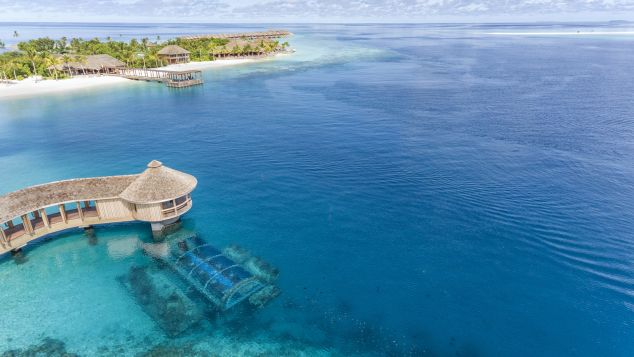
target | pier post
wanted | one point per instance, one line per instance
(160, 229)
(45, 218)
(18, 256)
(89, 231)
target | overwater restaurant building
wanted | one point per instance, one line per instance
(160, 195)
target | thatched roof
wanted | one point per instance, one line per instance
(158, 184)
(239, 44)
(91, 62)
(100, 61)
(32, 198)
(172, 50)
(236, 44)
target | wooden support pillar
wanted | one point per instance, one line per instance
(3, 235)
(62, 211)
(26, 223)
(45, 218)
(97, 209)
(79, 210)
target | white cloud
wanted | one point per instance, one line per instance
(254, 10)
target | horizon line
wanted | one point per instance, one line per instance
(318, 22)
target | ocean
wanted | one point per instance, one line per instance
(443, 190)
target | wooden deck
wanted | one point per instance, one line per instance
(20, 238)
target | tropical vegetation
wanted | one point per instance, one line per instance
(41, 57)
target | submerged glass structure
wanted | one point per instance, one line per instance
(216, 276)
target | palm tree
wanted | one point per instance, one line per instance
(246, 50)
(82, 60)
(11, 67)
(75, 45)
(66, 59)
(31, 54)
(62, 43)
(48, 61)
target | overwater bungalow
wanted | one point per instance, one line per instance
(270, 34)
(173, 54)
(92, 64)
(174, 79)
(160, 195)
(239, 48)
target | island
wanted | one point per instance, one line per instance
(175, 62)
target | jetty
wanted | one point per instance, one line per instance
(110, 66)
(174, 79)
(270, 34)
(160, 196)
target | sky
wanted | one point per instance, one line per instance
(271, 11)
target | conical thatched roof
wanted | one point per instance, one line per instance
(158, 183)
(172, 50)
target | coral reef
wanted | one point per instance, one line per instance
(162, 300)
(253, 264)
(49, 347)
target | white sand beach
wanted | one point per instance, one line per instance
(210, 64)
(33, 87)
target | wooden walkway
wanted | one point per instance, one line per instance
(175, 79)
(159, 195)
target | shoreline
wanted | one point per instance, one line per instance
(32, 86)
(209, 64)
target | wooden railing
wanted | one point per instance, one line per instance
(180, 84)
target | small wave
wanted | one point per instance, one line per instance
(563, 33)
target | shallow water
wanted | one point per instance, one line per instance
(421, 189)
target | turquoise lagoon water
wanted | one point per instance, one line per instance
(424, 190)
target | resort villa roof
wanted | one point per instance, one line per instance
(171, 50)
(100, 61)
(239, 43)
(92, 62)
(157, 184)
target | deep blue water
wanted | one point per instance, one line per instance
(421, 188)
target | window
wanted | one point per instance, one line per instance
(181, 200)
